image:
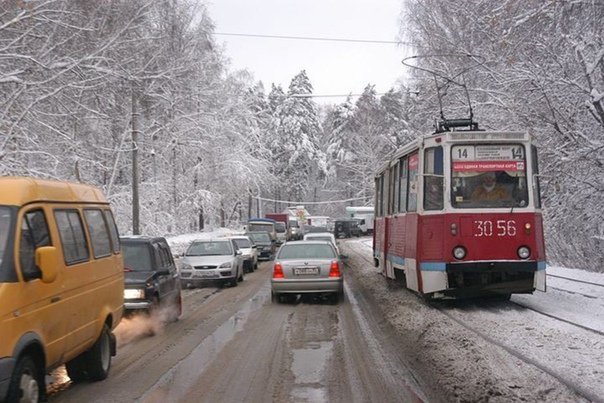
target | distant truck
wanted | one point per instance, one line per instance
(281, 225)
(262, 224)
(364, 215)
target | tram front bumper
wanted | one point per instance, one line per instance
(491, 278)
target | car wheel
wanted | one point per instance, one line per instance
(99, 356)
(240, 278)
(255, 266)
(26, 384)
(275, 298)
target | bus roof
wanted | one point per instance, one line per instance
(265, 220)
(17, 191)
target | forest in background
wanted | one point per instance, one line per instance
(124, 92)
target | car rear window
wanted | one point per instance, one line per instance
(137, 257)
(209, 249)
(319, 238)
(306, 251)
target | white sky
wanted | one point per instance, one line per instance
(334, 68)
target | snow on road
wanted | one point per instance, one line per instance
(560, 332)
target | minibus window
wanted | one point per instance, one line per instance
(98, 232)
(34, 234)
(7, 269)
(115, 239)
(75, 246)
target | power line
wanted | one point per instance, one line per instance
(308, 38)
(302, 203)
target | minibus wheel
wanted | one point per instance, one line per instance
(25, 384)
(99, 356)
(76, 368)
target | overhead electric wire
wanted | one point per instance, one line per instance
(309, 202)
(310, 38)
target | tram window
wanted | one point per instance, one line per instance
(376, 202)
(488, 175)
(380, 195)
(403, 177)
(391, 193)
(433, 179)
(397, 180)
(412, 183)
(536, 187)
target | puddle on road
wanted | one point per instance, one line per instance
(175, 383)
(308, 366)
(309, 395)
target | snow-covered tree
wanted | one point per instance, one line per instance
(297, 155)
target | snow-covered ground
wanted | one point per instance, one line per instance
(556, 335)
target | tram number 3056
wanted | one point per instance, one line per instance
(494, 228)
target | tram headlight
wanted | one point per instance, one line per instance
(524, 252)
(459, 252)
(527, 228)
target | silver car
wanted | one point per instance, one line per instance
(303, 267)
(322, 236)
(249, 252)
(214, 260)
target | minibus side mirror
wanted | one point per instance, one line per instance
(46, 260)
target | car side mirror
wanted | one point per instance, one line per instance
(238, 252)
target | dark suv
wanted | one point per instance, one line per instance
(151, 278)
(346, 228)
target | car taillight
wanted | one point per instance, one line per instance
(334, 270)
(278, 271)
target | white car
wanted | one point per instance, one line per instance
(249, 252)
(322, 236)
(212, 260)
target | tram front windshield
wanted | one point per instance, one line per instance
(486, 176)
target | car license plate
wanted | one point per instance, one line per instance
(306, 271)
(206, 275)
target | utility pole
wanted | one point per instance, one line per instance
(135, 175)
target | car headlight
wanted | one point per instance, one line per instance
(186, 267)
(226, 265)
(134, 293)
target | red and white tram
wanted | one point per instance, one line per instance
(458, 214)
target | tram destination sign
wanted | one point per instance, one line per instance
(486, 166)
(492, 152)
(492, 157)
